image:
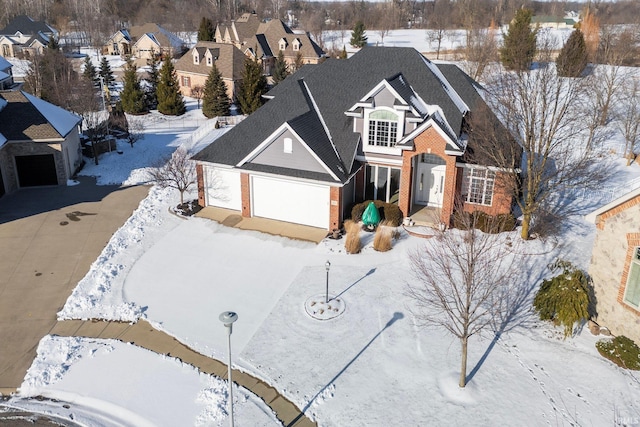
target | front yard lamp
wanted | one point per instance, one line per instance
(228, 317)
(327, 266)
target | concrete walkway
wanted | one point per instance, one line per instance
(232, 218)
(144, 335)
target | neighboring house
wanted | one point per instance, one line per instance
(39, 142)
(23, 37)
(615, 265)
(264, 40)
(142, 41)
(568, 21)
(118, 44)
(194, 66)
(6, 75)
(385, 124)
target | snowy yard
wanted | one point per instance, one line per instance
(371, 366)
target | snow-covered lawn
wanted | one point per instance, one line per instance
(370, 366)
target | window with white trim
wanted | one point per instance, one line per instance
(196, 58)
(477, 185)
(382, 183)
(383, 128)
(209, 60)
(296, 45)
(632, 290)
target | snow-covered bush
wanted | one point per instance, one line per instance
(622, 351)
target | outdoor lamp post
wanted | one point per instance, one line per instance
(228, 317)
(327, 266)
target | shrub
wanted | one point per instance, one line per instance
(621, 351)
(388, 212)
(566, 298)
(382, 239)
(352, 241)
(484, 222)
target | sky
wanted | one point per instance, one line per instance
(373, 365)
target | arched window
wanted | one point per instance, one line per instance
(383, 128)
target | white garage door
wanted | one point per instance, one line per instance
(223, 188)
(296, 202)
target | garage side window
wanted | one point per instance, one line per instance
(288, 145)
(632, 290)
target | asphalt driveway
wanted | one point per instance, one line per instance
(49, 237)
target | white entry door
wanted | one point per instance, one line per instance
(429, 184)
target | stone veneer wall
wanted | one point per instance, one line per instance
(618, 232)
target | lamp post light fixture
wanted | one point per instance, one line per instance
(228, 317)
(327, 266)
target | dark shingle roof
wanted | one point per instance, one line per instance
(322, 93)
(26, 25)
(21, 119)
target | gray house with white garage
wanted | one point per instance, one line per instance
(385, 124)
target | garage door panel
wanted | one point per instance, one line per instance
(223, 188)
(296, 202)
(36, 170)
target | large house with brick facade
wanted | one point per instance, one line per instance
(39, 142)
(615, 265)
(386, 124)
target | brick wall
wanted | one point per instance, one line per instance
(335, 206)
(614, 211)
(200, 181)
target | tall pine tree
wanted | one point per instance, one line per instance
(215, 101)
(90, 73)
(358, 37)
(280, 69)
(170, 101)
(573, 57)
(206, 31)
(106, 73)
(253, 86)
(519, 44)
(132, 96)
(153, 77)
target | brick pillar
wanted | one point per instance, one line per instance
(449, 195)
(200, 181)
(335, 207)
(245, 190)
(406, 180)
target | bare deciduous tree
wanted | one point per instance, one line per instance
(629, 119)
(177, 172)
(197, 92)
(543, 111)
(460, 275)
(135, 129)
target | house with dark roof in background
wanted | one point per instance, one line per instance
(23, 37)
(39, 142)
(386, 124)
(264, 40)
(194, 67)
(6, 75)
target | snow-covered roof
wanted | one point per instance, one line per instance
(4, 75)
(62, 120)
(4, 64)
(593, 216)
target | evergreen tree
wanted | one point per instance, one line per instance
(170, 100)
(206, 31)
(132, 96)
(298, 62)
(280, 69)
(152, 82)
(519, 44)
(572, 58)
(343, 54)
(253, 86)
(215, 101)
(90, 73)
(106, 73)
(358, 37)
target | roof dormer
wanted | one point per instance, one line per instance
(296, 44)
(282, 44)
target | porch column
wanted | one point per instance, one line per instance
(245, 190)
(406, 178)
(200, 181)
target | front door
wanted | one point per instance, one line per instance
(429, 187)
